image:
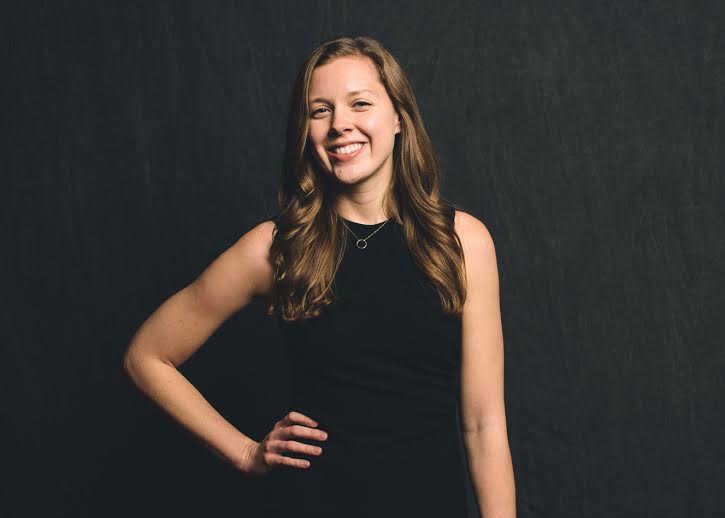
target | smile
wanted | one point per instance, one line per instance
(348, 152)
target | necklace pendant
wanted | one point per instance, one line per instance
(364, 244)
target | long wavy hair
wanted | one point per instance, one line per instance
(309, 236)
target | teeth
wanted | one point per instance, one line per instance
(348, 149)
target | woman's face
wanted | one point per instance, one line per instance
(349, 104)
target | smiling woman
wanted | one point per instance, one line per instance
(351, 92)
(353, 122)
(387, 297)
(388, 338)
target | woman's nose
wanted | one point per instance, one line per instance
(340, 122)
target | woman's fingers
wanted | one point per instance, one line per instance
(297, 430)
(276, 458)
(296, 417)
(292, 426)
(281, 446)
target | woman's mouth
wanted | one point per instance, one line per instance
(347, 152)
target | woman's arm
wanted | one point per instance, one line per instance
(483, 411)
(183, 323)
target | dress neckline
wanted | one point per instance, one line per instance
(368, 225)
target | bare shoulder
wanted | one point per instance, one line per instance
(473, 233)
(242, 272)
(479, 255)
(252, 251)
(256, 241)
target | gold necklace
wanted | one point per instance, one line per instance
(364, 241)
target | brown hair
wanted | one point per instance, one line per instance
(309, 236)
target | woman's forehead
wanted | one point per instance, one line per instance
(344, 76)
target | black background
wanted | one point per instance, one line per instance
(141, 139)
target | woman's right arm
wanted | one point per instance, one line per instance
(183, 323)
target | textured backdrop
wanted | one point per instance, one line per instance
(141, 139)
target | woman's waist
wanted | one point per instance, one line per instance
(373, 410)
(377, 422)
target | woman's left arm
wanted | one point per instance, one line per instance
(483, 414)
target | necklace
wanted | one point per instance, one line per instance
(362, 243)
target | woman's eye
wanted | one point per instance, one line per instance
(318, 110)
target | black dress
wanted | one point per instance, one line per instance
(379, 371)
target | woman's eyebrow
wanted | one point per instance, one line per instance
(349, 94)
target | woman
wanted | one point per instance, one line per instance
(388, 299)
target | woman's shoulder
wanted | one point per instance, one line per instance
(261, 237)
(471, 230)
(258, 239)
(242, 272)
(248, 258)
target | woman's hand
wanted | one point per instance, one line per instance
(262, 457)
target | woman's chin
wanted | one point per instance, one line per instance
(341, 176)
(347, 177)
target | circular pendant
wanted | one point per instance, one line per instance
(364, 244)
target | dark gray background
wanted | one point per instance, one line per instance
(141, 139)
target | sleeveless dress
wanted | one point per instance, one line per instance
(379, 370)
